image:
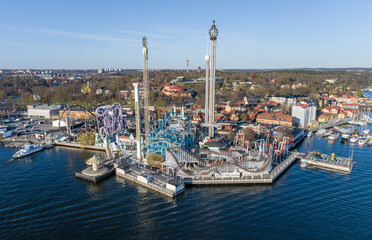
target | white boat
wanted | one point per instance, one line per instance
(366, 131)
(362, 140)
(334, 135)
(27, 150)
(327, 133)
(321, 132)
(369, 137)
(354, 139)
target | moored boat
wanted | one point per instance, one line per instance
(362, 140)
(354, 138)
(334, 136)
(27, 150)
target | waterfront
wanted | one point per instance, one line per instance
(41, 198)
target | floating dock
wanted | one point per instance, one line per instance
(154, 181)
(268, 178)
(331, 162)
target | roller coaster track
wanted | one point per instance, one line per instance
(210, 169)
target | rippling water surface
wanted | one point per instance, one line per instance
(41, 198)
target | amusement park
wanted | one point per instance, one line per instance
(169, 153)
(168, 148)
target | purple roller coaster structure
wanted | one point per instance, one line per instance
(109, 120)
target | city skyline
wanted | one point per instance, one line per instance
(49, 35)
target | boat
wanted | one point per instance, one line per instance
(366, 131)
(362, 140)
(27, 150)
(354, 138)
(334, 135)
(345, 137)
(369, 143)
(327, 133)
(321, 132)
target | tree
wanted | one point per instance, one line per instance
(87, 138)
(154, 160)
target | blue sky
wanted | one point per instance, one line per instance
(253, 34)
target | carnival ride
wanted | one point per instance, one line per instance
(175, 130)
(76, 119)
(243, 158)
(109, 120)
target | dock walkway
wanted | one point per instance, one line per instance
(77, 145)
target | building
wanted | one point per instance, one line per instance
(176, 91)
(275, 119)
(326, 117)
(351, 106)
(288, 101)
(47, 111)
(333, 110)
(347, 99)
(124, 94)
(331, 81)
(304, 113)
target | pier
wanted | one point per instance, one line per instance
(95, 178)
(325, 161)
(154, 181)
(253, 179)
(77, 145)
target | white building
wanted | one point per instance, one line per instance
(304, 113)
(288, 101)
(331, 81)
(46, 111)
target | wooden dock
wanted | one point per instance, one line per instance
(254, 179)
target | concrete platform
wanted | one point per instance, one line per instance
(159, 183)
(341, 164)
(89, 175)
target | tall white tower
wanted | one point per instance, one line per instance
(206, 111)
(213, 32)
(187, 63)
(138, 119)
